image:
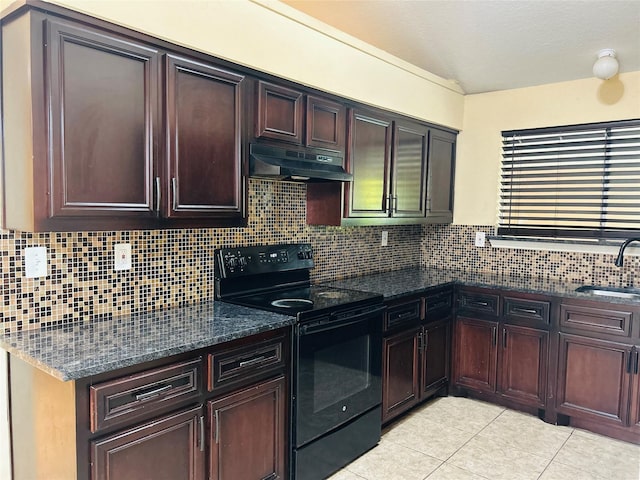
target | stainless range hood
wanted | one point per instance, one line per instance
(295, 163)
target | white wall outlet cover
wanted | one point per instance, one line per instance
(122, 256)
(35, 262)
(385, 238)
(480, 239)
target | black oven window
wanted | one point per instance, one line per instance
(341, 371)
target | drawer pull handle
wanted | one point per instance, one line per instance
(494, 336)
(635, 369)
(479, 303)
(525, 310)
(174, 188)
(217, 419)
(403, 315)
(504, 338)
(630, 362)
(253, 361)
(153, 393)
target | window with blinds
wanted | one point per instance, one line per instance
(574, 181)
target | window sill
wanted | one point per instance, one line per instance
(609, 247)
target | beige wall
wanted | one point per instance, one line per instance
(487, 114)
(272, 37)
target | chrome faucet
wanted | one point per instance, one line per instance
(620, 260)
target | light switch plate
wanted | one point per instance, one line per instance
(122, 256)
(35, 262)
(384, 241)
(480, 238)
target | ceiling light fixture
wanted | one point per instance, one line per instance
(607, 65)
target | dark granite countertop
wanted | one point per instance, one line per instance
(79, 350)
(409, 281)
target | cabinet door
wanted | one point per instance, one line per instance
(326, 124)
(248, 431)
(523, 364)
(167, 449)
(279, 113)
(369, 161)
(634, 368)
(441, 167)
(436, 356)
(102, 92)
(400, 389)
(476, 354)
(593, 379)
(409, 174)
(203, 105)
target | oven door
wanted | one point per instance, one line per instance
(338, 370)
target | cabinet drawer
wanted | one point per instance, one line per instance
(124, 399)
(479, 302)
(242, 365)
(438, 305)
(403, 314)
(521, 309)
(595, 320)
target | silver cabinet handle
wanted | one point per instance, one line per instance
(153, 393)
(217, 433)
(174, 188)
(201, 433)
(158, 194)
(253, 361)
(525, 310)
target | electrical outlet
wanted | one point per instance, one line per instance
(480, 237)
(35, 262)
(384, 241)
(122, 256)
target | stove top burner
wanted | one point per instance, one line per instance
(291, 302)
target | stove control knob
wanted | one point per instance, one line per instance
(301, 255)
(232, 262)
(242, 262)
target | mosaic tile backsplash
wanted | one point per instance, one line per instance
(175, 267)
(453, 246)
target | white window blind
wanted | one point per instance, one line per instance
(574, 181)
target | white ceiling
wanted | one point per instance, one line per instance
(489, 45)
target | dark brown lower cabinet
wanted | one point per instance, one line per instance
(436, 356)
(169, 448)
(594, 379)
(476, 354)
(523, 364)
(415, 366)
(507, 361)
(400, 373)
(248, 433)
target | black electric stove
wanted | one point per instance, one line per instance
(276, 278)
(336, 386)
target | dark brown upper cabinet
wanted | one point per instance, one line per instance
(102, 95)
(369, 161)
(280, 113)
(88, 155)
(285, 114)
(441, 168)
(204, 134)
(403, 173)
(326, 124)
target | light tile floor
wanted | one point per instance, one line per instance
(453, 438)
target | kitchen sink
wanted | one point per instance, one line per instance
(624, 292)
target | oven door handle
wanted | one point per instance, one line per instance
(332, 324)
